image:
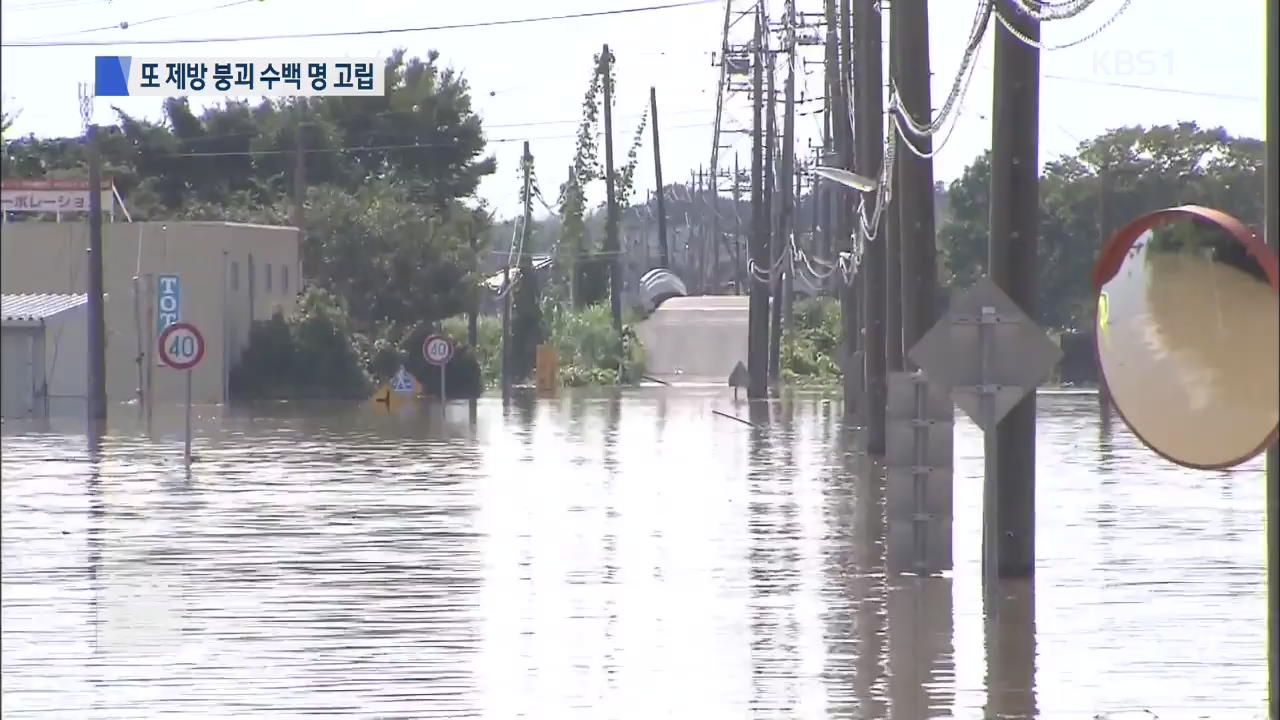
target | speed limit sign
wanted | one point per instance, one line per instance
(181, 346)
(437, 350)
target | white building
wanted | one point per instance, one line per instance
(45, 358)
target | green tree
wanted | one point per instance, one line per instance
(1085, 197)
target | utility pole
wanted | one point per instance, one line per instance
(299, 179)
(1273, 453)
(771, 179)
(870, 134)
(737, 227)
(844, 211)
(785, 221)
(612, 248)
(1011, 263)
(895, 346)
(97, 312)
(697, 201)
(915, 209)
(713, 186)
(657, 172)
(526, 195)
(758, 306)
(831, 74)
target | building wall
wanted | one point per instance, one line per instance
(20, 349)
(212, 260)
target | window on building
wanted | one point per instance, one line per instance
(284, 279)
(266, 270)
(235, 275)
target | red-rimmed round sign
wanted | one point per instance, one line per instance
(181, 346)
(1188, 305)
(437, 350)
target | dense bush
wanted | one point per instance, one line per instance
(811, 344)
(313, 354)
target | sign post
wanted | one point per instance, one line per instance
(989, 355)
(182, 348)
(438, 350)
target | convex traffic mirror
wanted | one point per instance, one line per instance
(1187, 332)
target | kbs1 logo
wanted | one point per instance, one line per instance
(126, 76)
(1132, 63)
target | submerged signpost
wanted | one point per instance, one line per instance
(438, 350)
(182, 348)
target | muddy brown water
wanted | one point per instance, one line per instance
(605, 557)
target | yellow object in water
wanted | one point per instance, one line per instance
(547, 369)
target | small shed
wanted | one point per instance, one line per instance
(44, 343)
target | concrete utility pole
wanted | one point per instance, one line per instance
(831, 75)
(97, 401)
(611, 245)
(895, 348)
(526, 196)
(870, 134)
(758, 306)
(915, 207)
(657, 174)
(786, 206)
(1015, 220)
(1273, 453)
(771, 202)
(844, 211)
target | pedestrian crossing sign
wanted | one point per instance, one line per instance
(403, 384)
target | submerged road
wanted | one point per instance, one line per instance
(695, 340)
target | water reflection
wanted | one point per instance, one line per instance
(1189, 342)
(1011, 651)
(576, 558)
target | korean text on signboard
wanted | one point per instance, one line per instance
(51, 196)
(128, 76)
(168, 301)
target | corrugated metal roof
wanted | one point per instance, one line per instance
(33, 307)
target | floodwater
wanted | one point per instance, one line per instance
(606, 558)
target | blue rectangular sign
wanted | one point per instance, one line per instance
(168, 301)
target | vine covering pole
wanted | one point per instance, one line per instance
(611, 246)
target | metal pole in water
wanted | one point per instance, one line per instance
(186, 449)
(444, 396)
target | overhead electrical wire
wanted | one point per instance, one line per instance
(125, 25)
(380, 31)
(1041, 46)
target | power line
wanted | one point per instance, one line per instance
(355, 33)
(373, 148)
(1154, 88)
(129, 25)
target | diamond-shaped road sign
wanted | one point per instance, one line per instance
(986, 348)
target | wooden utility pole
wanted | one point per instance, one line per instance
(1273, 453)
(97, 401)
(758, 306)
(611, 246)
(870, 134)
(785, 221)
(915, 208)
(657, 174)
(1011, 263)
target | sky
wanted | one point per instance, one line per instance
(1159, 62)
